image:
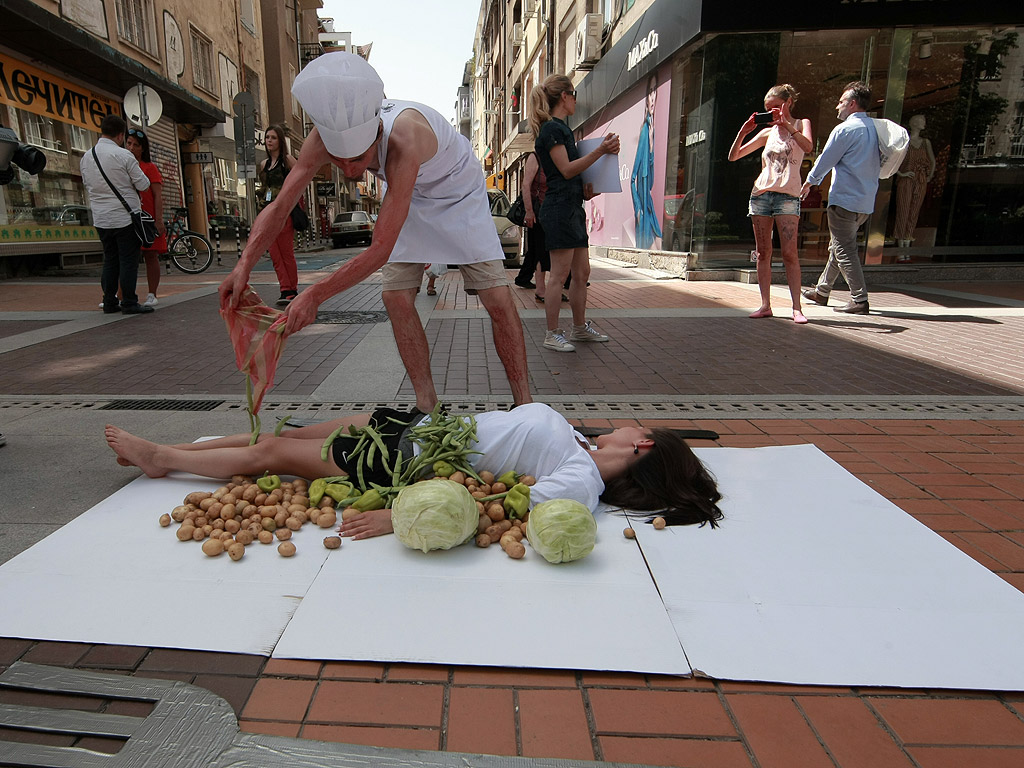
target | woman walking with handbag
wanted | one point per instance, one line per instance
(272, 173)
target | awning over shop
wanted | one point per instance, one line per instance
(41, 37)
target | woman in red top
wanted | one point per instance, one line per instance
(137, 142)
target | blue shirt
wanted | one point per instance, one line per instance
(851, 153)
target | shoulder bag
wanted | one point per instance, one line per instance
(143, 224)
(893, 142)
(300, 219)
(517, 213)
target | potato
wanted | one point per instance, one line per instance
(528, 480)
(314, 514)
(286, 549)
(227, 512)
(483, 540)
(477, 494)
(201, 520)
(165, 520)
(283, 534)
(457, 477)
(515, 533)
(515, 550)
(326, 503)
(498, 488)
(483, 523)
(250, 493)
(293, 523)
(198, 534)
(229, 498)
(232, 526)
(218, 524)
(178, 513)
(487, 477)
(504, 525)
(236, 551)
(506, 539)
(241, 479)
(293, 508)
(327, 518)
(213, 547)
(220, 492)
(185, 533)
(629, 533)
(494, 532)
(348, 513)
(302, 517)
(280, 517)
(205, 504)
(265, 537)
(301, 499)
(244, 537)
(196, 497)
(495, 511)
(260, 498)
(486, 488)
(658, 523)
(332, 542)
(269, 524)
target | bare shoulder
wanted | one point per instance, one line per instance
(411, 135)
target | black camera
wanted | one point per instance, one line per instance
(763, 118)
(12, 153)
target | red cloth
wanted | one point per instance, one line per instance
(257, 335)
(149, 205)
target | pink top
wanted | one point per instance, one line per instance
(780, 165)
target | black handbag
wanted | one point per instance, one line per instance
(143, 224)
(517, 213)
(300, 220)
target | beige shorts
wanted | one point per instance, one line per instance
(475, 277)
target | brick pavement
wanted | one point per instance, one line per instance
(958, 476)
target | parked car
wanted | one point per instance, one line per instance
(351, 227)
(509, 233)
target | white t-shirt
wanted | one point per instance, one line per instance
(536, 440)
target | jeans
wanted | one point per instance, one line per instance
(842, 254)
(121, 249)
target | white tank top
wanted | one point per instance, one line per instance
(449, 216)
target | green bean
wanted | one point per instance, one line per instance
(280, 425)
(327, 443)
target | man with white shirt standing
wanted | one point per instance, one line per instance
(113, 222)
(851, 153)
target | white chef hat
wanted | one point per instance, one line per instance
(342, 93)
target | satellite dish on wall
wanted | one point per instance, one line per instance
(142, 105)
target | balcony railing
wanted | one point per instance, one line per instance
(309, 51)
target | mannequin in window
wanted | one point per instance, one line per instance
(915, 172)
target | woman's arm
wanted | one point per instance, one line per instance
(571, 169)
(801, 132)
(529, 174)
(739, 149)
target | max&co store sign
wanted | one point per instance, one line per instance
(33, 90)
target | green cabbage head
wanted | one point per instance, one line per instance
(434, 514)
(561, 530)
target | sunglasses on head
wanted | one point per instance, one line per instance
(136, 132)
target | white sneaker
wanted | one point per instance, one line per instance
(150, 301)
(556, 340)
(586, 332)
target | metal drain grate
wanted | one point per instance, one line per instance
(351, 317)
(161, 405)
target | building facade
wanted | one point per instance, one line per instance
(677, 78)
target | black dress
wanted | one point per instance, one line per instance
(561, 215)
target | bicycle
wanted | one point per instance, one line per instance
(189, 251)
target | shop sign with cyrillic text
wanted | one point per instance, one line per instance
(33, 90)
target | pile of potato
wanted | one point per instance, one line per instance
(494, 526)
(239, 513)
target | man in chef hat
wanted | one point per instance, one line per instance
(435, 209)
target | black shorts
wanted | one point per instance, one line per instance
(565, 224)
(391, 434)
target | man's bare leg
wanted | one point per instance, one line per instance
(509, 343)
(412, 345)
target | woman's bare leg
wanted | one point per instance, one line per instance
(578, 287)
(787, 226)
(763, 242)
(561, 263)
(277, 454)
(321, 431)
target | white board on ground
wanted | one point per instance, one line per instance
(377, 600)
(114, 576)
(815, 578)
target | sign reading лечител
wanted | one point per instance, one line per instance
(41, 93)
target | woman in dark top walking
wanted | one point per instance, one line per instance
(561, 215)
(282, 251)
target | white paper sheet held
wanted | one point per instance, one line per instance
(604, 173)
(815, 578)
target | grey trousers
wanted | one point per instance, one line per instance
(842, 254)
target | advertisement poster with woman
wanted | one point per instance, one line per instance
(633, 218)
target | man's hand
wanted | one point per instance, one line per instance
(232, 288)
(805, 190)
(301, 312)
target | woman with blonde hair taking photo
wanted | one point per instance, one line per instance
(561, 214)
(775, 198)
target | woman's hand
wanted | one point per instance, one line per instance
(376, 522)
(610, 145)
(529, 219)
(748, 126)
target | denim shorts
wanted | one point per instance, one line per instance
(774, 204)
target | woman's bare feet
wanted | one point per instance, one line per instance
(798, 317)
(762, 312)
(134, 451)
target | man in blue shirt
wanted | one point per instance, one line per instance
(851, 154)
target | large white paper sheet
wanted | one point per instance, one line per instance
(815, 578)
(114, 576)
(604, 173)
(377, 600)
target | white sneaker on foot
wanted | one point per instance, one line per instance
(556, 340)
(586, 332)
(150, 301)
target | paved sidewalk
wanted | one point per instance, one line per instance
(923, 400)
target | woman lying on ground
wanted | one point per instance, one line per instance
(633, 468)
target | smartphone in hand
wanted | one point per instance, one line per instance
(763, 118)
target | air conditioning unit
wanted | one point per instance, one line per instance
(588, 39)
(486, 63)
(496, 94)
(530, 8)
(518, 35)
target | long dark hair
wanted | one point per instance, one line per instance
(670, 480)
(282, 145)
(139, 135)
